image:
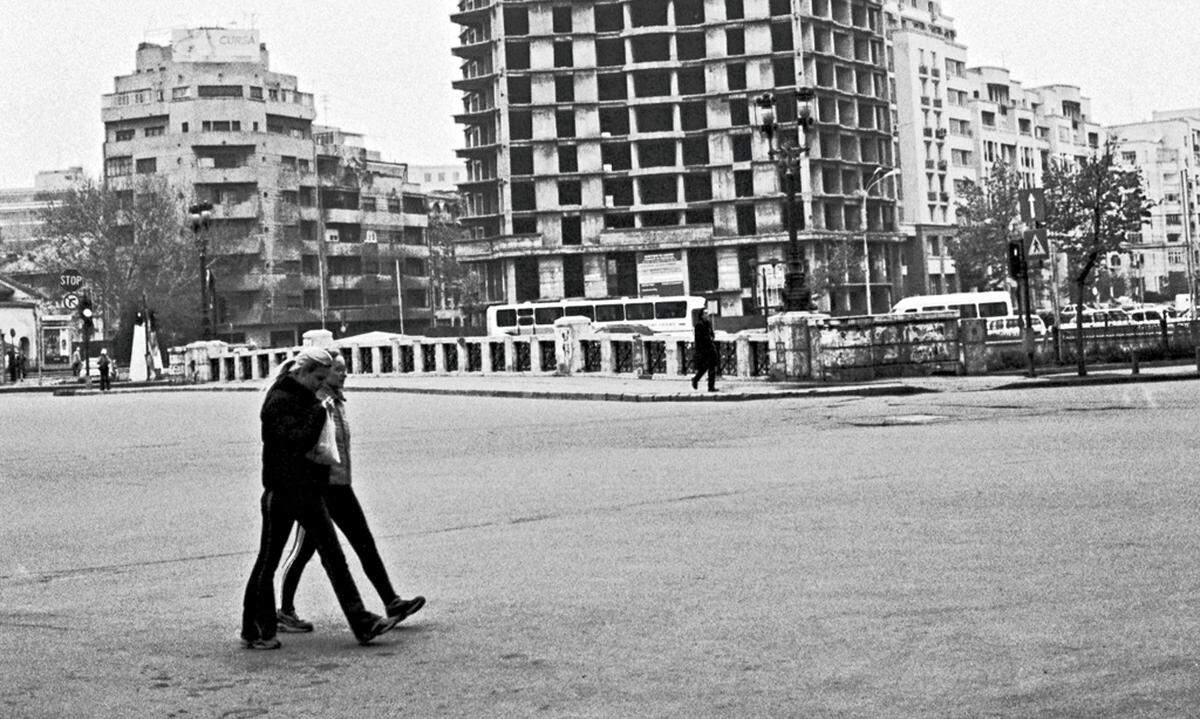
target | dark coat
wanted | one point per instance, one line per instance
(703, 345)
(292, 419)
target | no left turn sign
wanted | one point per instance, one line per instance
(71, 300)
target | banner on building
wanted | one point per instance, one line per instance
(660, 273)
(210, 44)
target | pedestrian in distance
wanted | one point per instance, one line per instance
(22, 364)
(704, 350)
(76, 363)
(347, 515)
(294, 492)
(103, 364)
(11, 359)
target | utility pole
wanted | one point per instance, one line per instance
(1187, 242)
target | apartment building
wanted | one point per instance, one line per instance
(21, 211)
(1167, 151)
(612, 147)
(954, 122)
(307, 227)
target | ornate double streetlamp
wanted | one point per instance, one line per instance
(200, 216)
(874, 180)
(787, 159)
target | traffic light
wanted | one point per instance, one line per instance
(86, 314)
(1016, 259)
(200, 216)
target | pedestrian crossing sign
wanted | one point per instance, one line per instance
(1035, 244)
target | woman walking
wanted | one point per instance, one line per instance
(293, 492)
(347, 515)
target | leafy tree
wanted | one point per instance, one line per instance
(129, 244)
(1093, 208)
(458, 284)
(839, 268)
(985, 225)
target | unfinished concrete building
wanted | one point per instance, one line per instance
(612, 148)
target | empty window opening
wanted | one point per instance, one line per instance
(523, 196)
(645, 13)
(651, 83)
(610, 52)
(693, 115)
(615, 156)
(521, 159)
(695, 150)
(564, 56)
(655, 118)
(697, 187)
(690, 45)
(650, 48)
(562, 18)
(658, 190)
(689, 12)
(611, 86)
(656, 153)
(610, 17)
(572, 234)
(735, 41)
(614, 120)
(691, 81)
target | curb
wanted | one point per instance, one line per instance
(844, 391)
(1052, 382)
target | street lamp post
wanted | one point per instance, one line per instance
(201, 215)
(862, 209)
(787, 158)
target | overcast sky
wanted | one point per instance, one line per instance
(383, 67)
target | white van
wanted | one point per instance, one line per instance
(1010, 327)
(968, 304)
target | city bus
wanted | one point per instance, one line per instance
(996, 303)
(660, 314)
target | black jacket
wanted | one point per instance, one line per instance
(703, 344)
(292, 418)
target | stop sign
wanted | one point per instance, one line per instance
(70, 279)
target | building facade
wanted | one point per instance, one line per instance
(309, 228)
(21, 215)
(1166, 150)
(612, 147)
(954, 122)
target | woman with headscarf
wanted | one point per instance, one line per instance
(293, 492)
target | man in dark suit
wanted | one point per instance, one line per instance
(704, 351)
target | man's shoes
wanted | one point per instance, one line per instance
(695, 384)
(381, 625)
(713, 389)
(404, 608)
(290, 623)
(271, 643)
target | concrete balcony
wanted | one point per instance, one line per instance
(247, 210)
(226, 175)
(346, 217)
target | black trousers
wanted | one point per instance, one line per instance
(347, 515)
(281, 509)
(707, 364)
(104, 383)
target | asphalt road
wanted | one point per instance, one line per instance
(1024, 553)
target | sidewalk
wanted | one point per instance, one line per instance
(661, 388)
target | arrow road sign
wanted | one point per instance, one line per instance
(71, 300)
(1033, 205)
(1035, 244)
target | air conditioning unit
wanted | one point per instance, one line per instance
(607, 167)
(610, 201)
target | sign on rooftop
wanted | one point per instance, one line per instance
(212, 44)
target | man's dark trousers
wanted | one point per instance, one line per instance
(280, 508)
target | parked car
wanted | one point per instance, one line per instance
(1111, 317)
(1010, 327)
